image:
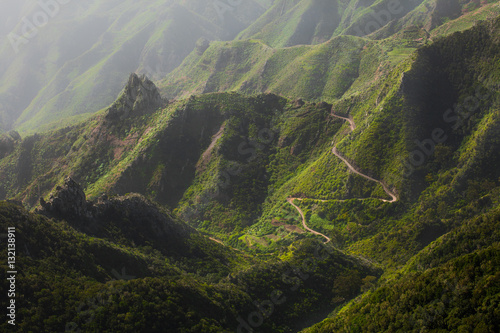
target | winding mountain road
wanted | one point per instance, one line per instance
(290, 201)
(349, 120)
(392, 195)
(352, 169)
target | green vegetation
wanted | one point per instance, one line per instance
(68, 281)
(296, 52)
(222, 245)
(64, 83)
(323, 72)
(78, 63)
(452, 285)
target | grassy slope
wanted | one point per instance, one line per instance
(289, 23)
(340, 67)
(251, 67)
(459, 178)
(110, 47)
(131, 158)
(461, 197)
(76, 63)
(307, 23)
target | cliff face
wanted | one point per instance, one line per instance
(140, 95)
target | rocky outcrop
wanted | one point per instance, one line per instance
(6, 145)
(202, 45)
(139, 96)
(68, 201)
(132, 218)
(297, 104)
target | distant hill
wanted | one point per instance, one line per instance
(78, 62)
(309, 22)
(338, 64)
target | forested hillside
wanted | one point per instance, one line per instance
(311, 181)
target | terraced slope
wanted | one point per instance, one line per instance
(252, 67)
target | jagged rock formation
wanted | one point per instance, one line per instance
(139, 96)
(68, 201)
(130, 217)
(202, 45)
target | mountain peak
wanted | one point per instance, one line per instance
(140, 95)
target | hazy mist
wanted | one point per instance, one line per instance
(63, 58)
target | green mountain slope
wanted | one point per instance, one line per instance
(252, 67)
(72, 280)
(333, 67)
(452, 285)
(250, 142)
(289, 23)
(396, 172)
(77, 63)
(433, 14)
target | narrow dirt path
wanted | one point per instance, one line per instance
(349, 120)
(290, 201)
(352, 169)
(392, 195)
(216, 240)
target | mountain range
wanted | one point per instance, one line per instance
(71, 59)
(295, 166)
